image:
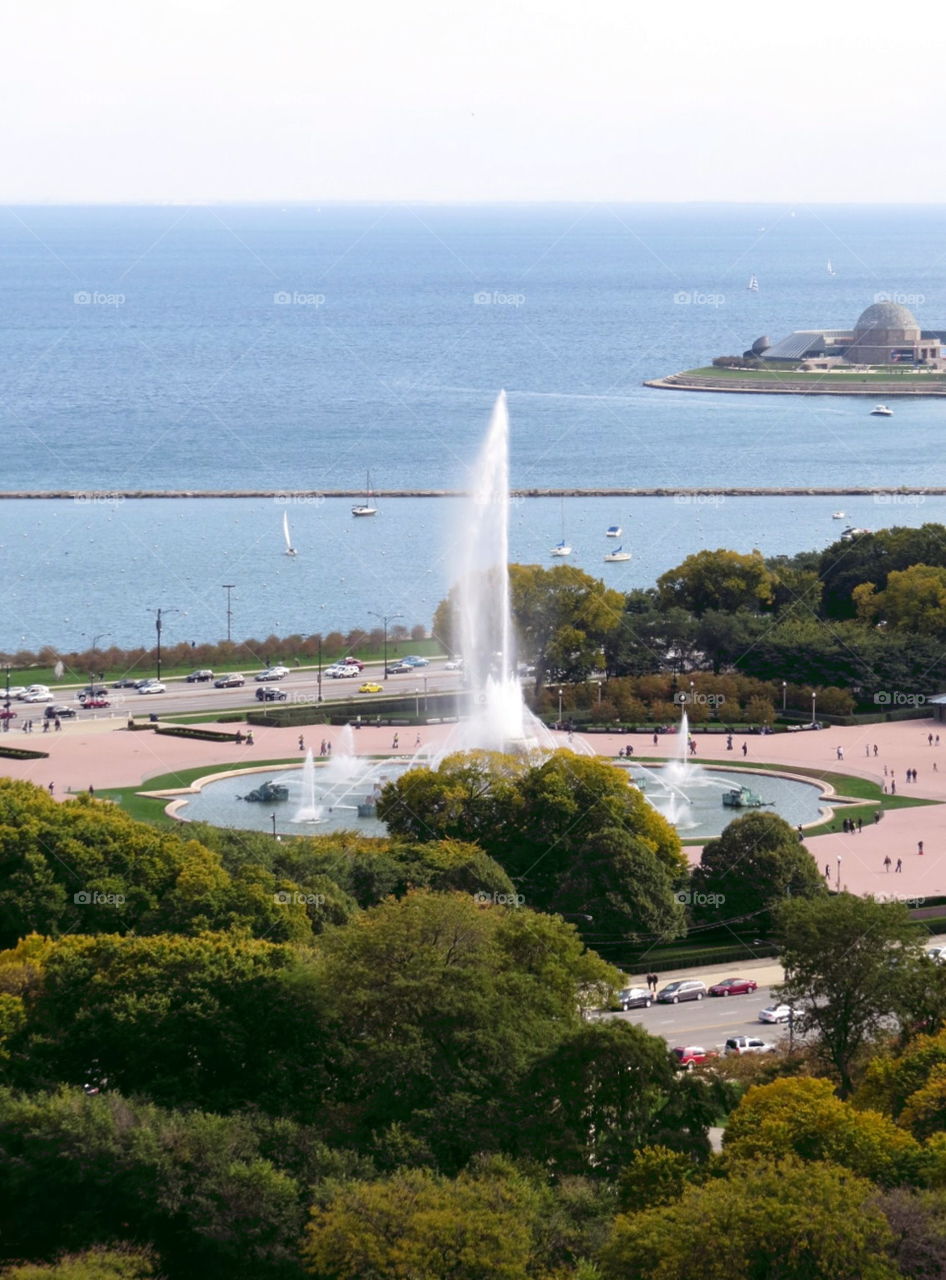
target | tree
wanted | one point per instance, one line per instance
(722, 580)
(788, 1219)
(914, 600)
(603, 1093)
(803, 1117)
(95, 1264)
(870, 558)
(755, 864)
(890, 1080)
(469, 796)
(562, 618)
(844, 960)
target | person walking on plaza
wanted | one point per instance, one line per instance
(919, 847)
(840, 753)
(301, 743)
(652, 983)
(887, 863)
(745, 750)
(893, 787)
(899, 866)
(875, 749)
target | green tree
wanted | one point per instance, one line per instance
(845, 565)
(890, 1080)
(562, 618)
(123, 1263)
(788, 1219)
(914, 600)
(756, 863)
(721, 580)
(656, 1176)
(844, 960)
(469, 796)
(804, 1117)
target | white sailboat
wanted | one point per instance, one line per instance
(365, 508)
(831, 270)
(290, 549)
(616, 557)
(753, 285)
(562, 548)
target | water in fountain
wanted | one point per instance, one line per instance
(499, 719)
(309, 810)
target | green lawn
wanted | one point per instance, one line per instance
(750, 375)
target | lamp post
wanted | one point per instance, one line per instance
(814, 699)
(7, 669)
(99, 635)
(837, 884)
(784, 694)
(273, 818)
(319, 678)
(560, 707)
(692, 687)
(384, 619)
(228, 587)
(158, 615)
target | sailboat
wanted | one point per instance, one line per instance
(615, 557)
(562, 548)
(753, 285)
(831, 270)
(290, 549)
(365, 508)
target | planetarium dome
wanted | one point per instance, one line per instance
(890, 317)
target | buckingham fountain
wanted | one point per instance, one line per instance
(340, 791)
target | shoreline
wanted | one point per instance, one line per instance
(786, 386)
(105, 497)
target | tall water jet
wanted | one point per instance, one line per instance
(309, 809)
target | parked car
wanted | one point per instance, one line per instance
(775, 1013)
(693, 1055)
(232, 681)
(198, 677)
(266, 693)
(733, 987)
(59, 711)
(413, 660)
(155, 686)
(398, 668)
(685, 989)
(127, 683)
(370, 687)
(272, 673)
(736, 1046)
(96, 702)
(634, 998)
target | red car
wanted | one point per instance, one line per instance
(733, 987)
(96, 702)
(687, 1057)
(353, 662)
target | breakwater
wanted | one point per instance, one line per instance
(311, 495)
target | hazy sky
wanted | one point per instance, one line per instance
(187, 100)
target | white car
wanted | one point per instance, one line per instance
(736, 1046)
(38, 697)
(455, 664)
(342, 672)
(775, 1013)
(26, 694)
(14, 691)
(938, 954)
(272, 673)
(153, 687)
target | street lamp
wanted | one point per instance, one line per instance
(319, 676)
(158, 615)
(692, 686)
(838, 881)
(384, 619)
(228, 587)
(99, 635)
(814, 698)
(273, 818)
(784, 694)
(560, 707)
(7, 669)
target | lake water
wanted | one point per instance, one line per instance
(281, 349)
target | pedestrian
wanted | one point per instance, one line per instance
(655, 739)
(652, 981)
(745, 749)
(875, 749)
(91, 789)
(301, 743)
(893, 788)
(629, 751)
(930, 739)
(887, 864)
(249, 737)
(729, 743)
(395, 742)
(840, 753)
(867, 750)
(58, 724)
(919, 847)
(417, 741)
(51, 788)
(937, 739)
(899, 866)
(860, 825)
(827, 870)
(885, 771)
(46, 730)
(845, 826)
(935, 770)
(328, 748)
(878, 813)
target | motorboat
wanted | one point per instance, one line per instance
(850, 533)
(615, 557)
(881, 411)
(838, 515)
(613, 531)
(365, 508)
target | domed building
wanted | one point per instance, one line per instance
(885, 334)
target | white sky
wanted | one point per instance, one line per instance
(189, 100)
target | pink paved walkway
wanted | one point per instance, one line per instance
(103, 753)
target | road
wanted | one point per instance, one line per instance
(708, 1022)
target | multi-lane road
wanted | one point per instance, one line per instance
(708, 1022)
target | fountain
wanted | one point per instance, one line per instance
(309, 810)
